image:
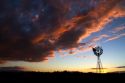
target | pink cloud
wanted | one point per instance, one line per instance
(115, 37)
(118, 29)
(96, 39)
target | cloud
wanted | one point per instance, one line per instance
(33, 30)
(115, 37)
(120, 67)
(118, 29)
(16, 68)
(97, 68)
(116, 33)
(85, 57)
(98, 38)
(2, 62)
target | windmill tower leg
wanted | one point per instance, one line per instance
(99, 68)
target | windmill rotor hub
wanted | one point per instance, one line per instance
(98, 51)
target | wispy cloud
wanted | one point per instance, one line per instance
(118, 29)
(16, 68)
(85, 57)
(87, 48)
(96, 39)
(115, 37)
(120, 67)
(97, 68)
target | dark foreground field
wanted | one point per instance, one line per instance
(38, 76)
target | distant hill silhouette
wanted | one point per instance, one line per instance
(48, 76)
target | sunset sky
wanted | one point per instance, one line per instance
(58, 35)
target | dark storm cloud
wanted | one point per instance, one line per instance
(31, 30)
(16, 68)
(21, 22)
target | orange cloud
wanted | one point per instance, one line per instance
(101, 15)
(66, 26)
(39, 38)
(94, 21)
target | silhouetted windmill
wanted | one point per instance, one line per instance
(98, 52)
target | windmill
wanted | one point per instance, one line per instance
(98, 52)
